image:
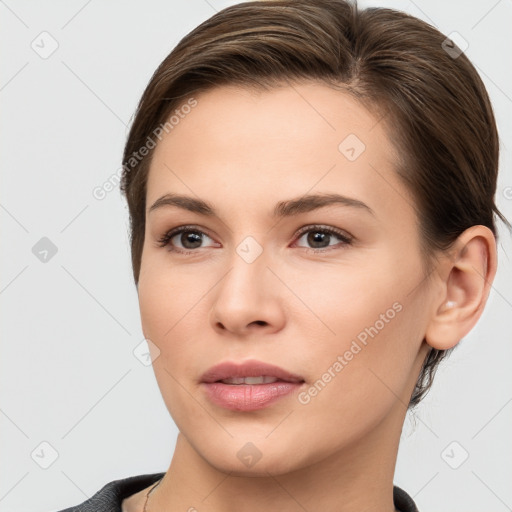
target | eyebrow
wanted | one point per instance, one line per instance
(282, 209)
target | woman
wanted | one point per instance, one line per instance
(311, 195)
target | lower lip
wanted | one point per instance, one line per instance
(248, 397)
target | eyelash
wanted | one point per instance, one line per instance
(345, 239)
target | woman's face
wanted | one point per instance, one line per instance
(332, 293)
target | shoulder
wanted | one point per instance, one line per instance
(403, 502)
(111, 495)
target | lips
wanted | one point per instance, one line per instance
(249, 386)
(234, 371)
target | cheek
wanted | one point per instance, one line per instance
(172, 303)
(362, 332)
(340, 302)
(165, 296)
(166, 302)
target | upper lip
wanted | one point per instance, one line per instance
(251, 368)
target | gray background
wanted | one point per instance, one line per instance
(68, 374)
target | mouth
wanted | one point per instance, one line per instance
(261, 379)
(248, 386)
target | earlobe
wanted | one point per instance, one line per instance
(469, 276)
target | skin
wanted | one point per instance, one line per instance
(243, 152)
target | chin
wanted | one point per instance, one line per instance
(239, 456)
(275, 464)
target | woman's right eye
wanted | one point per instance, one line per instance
(189, 238)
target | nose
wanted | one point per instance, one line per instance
(248, 299)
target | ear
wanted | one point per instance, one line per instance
(466, 278)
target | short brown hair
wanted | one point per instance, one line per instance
(436, 106)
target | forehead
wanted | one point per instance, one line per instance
(280, 142)
(286, 114)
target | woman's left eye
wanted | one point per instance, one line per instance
(190, 238)
(320, 237)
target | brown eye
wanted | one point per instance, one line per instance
(183, 239)
(189, 239)
(319, 237)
